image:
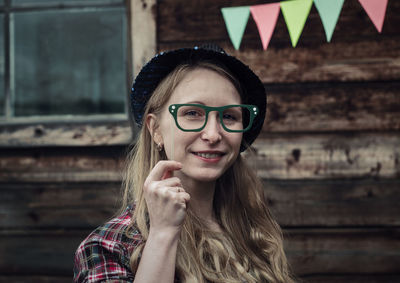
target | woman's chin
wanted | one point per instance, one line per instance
(205, 175)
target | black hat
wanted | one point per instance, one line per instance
(165, 62)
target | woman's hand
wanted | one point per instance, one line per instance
(166, 203)
(165, 198)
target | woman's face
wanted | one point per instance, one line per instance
(207, 154)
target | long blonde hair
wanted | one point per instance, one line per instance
(249, 249)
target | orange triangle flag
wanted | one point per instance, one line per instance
(376, 10)
(265, 16)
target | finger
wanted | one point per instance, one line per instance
(176, 189)
(158, 172)
(170, 182)
(167, 174)
(185, 196)
(182, 199)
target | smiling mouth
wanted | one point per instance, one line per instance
(208, 155)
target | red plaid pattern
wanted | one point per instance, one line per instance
(104, 255)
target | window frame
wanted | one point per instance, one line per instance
(84, 130)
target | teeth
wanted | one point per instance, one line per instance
(208, 155)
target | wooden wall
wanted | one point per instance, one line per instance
(329, 153)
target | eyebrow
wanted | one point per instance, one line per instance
(194, 102)
(202, 103)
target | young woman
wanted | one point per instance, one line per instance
(192, 211)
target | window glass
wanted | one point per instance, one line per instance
(2, 65)
(70, 61)
(57, 2)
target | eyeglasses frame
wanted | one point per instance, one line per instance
(253, 109)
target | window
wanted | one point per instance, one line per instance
(63, 58)
(2, 65)
(66, 67)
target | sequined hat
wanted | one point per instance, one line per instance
(165, 62)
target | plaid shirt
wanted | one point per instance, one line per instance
(104, 255)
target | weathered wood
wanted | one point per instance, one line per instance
(203, 21)
(357, 61)
(337, 251)
(331, 203)
(279, 156)
(322, 251)
(58, 205)
(356, 53)
(328, 203)
(141, 42)
(65, 134)
(353, 278)
(37, 279)
(83, 164)
(48, 253)
(142, 24)
(333, 107)
(332, 156)
(291, 108)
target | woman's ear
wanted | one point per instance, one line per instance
(152, 127)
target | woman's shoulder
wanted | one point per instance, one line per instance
(117, 231)
(110, 244)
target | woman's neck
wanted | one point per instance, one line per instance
(201, 197)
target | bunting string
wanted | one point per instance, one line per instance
(295, 13)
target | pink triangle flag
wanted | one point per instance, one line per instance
(376, 10)
(265, 16)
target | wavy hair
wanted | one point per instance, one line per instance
(250, 248)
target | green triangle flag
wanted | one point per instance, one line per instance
(236, 20)
(329, 11)
(295, 13)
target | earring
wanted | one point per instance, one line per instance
(160, 146)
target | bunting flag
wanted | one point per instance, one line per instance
(236, 20)
(265, 17)
(295, 13)
(329, 11)
(376, 10)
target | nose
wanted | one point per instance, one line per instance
(212, 130)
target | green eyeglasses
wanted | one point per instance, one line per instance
(233, 118)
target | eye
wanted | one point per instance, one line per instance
(233, 114)
(192, 113)
(229, 117)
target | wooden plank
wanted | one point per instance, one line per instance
(356, 61)
(356, 53)
(58, 205)
(72, 164)
(349, 251)
(279, 156)
(327, 203)
(310, 252)
(203, 21)
(142, 42)
(65, 134)
(291, 108)
(327, 107)
(36, 253)
(142, 24)
(327, 156)
(330, 203)
(37, 279)
(353, 278)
